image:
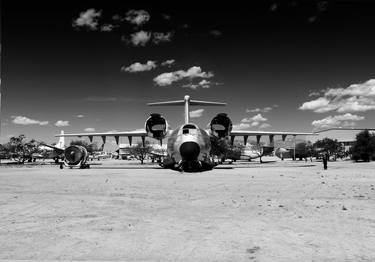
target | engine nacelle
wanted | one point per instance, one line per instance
(156, 126)
(221, 125)
(75, 155)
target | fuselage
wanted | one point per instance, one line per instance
(189, 149)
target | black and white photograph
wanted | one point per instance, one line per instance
(187, 130)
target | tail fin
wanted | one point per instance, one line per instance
(61, 142)
(187, 102)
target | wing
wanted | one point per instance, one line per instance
(104, 135)
(57, 149)
(271, 134)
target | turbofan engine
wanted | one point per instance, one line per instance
(221, 125)
(156, 126)
(76, 156)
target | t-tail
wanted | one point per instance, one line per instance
(61, 143)
(187, 102)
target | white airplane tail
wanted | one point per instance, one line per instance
(61, 143)
(187, 102)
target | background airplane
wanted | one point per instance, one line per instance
(188, 146)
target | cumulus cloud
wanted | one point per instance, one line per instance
(138, 67)
(88, 19)
(264, 125)
(107, 28)
(255, 120)
(202, 84)
(89, 129)
(261, 110)
(166, 16)
(140, 38)
(159, 37)
(61, 123)
(216, 33)
(354, 98)
(347, 119)
(241, 126)
(196, 113)
(168, 78)
(168, 62)
(137, 17)
(23, 120)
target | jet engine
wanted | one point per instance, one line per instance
(156, 126)
(76, 156)
(221, 125)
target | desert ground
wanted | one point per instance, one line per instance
(280, 211)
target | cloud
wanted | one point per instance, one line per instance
(264, 125)
(354, 98)
(159, 37)
(107, 27)
(167, 79)
(255, 120)
(140, 38)
(196, 113)
(262, 110)
(347, 119)
(89, 129)
(137, 17)
(23, 120)
(166, 16)
(203, 84)
(61, 123)
(88, 19)
(168, 63)
(138, 67)
(241, 126)
(216, 33)
(80, 116)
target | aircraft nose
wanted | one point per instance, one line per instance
(189, 151)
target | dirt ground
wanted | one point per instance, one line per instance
(290, 211)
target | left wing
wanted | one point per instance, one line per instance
(259, 134)
(104, 135)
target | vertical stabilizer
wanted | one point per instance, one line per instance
(61, 143)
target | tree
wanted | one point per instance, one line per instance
(330, 146)
(21, 150)
(140, 151)
(304, 150)
(220, 147)
(364, 147)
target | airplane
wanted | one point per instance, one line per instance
(250, 152)
(188, 146)
(57, 150)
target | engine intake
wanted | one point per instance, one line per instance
(75, 155)
(221, 125)
(156, 126)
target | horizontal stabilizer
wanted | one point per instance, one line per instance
(186, 103)
(168, 103)
(206, 103)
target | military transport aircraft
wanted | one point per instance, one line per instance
(188, 146)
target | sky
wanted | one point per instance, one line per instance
(279, 65)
